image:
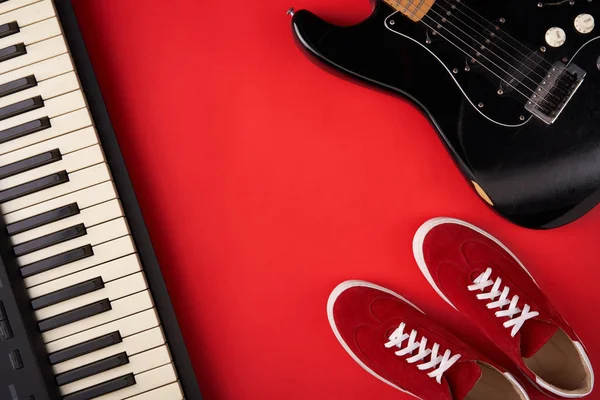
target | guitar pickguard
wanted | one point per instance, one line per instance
(497, 74)
(482, 90)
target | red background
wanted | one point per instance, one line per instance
(265, 182)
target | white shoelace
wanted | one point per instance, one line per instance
(482, 282)
(440, 363)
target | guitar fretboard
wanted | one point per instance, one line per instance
(413, 9)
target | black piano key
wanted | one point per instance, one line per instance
(24, 129)
(50, 240)
(102, 388)
(12, 52)
(57, 261)
(42, 219)
(9, 29)
(17, 85)
(75, 315)
(85, 347)
(33, 186)
(30, 163)
(21, 107)
(92, 369)
(67, 293)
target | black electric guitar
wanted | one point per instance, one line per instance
(511, 86)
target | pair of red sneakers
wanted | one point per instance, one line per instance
(477, 275)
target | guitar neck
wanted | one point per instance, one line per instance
(413, 9)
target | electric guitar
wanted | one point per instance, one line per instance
(511, 86)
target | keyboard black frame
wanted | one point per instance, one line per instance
(128, 198)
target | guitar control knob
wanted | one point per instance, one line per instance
(556, 37)
(584, 23)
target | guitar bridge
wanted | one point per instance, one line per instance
(555, 91)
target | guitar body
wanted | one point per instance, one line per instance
(534, 173)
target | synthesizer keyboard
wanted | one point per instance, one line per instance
(84, 312)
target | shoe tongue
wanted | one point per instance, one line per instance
(534, 335)
(462, 377)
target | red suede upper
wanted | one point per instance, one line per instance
(455, 255)
(366, 317)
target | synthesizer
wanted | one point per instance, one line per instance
(84, 311)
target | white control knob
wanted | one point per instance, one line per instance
(584, 23)
(556, 37)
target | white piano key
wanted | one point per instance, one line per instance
(109, 272)
(112, 290)
(46, 89)
(66, 144)
(88, 217)
(33, 33)
(36, 52)
(71, 162)
(127, 326)
(145, 383)
(138, 363)
(28, 15)
(85, 198)
(95, 235)
(52, 108)
(131, 345)
(15, 4)
(169, 392)
(120, 308)
(61, 125)
(42, 70)
(77, 180)
(102, 253)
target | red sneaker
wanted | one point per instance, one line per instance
(480, 277)
(398, 344)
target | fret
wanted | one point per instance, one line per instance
(413, 9)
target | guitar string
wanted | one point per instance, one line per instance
(540, 58)
(462, 3)
(533, 91)
(486, 39)
(496, 32)
(457, 6)
(483, 48)
(465, 52)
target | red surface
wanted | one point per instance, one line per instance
(265, 182)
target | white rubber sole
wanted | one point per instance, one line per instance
(422, 232)
(341, 288)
